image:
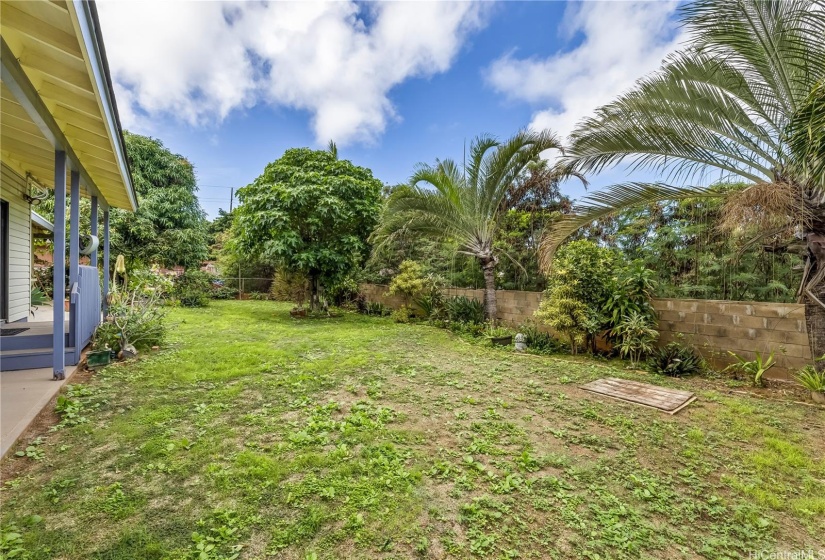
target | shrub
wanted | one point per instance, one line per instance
(375, 308)
(289, 286)
(343, 292)
(134, 317)
(540, 341)
(583, 279)
(224, 292)
(402, 314)
(409, 282)
(461, 309)
(193, 288)
(675, 360)
(565, 314)
(258, 296)
(636, 334)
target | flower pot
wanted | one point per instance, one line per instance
(502, 340)
(818, 397)
(98, 359)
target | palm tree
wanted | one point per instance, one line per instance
(729, 101)
(463, 204)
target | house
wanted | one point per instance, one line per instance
(60, 130)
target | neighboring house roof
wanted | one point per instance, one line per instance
(41, 222)
(57, 91)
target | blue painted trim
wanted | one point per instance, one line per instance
(74, 249)
(93, 256)
(105, 261)
(59, 259)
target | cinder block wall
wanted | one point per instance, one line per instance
(713, 327)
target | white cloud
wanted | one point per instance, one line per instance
(198, 61)
(620, 42)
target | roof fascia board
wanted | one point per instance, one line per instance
(86, 15)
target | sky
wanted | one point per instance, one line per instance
(232, 85)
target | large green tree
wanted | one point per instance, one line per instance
(169, 227)
(310, 213)
(729, 102)
(465, 204)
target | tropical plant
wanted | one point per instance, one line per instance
(136, 317)
(811, 379)
(636, 333)
(674, 360)
(578, 290)
(461, 309)
(464, 205)
(37, 297)
(742, 99)
(631, 294)
(409, 282)
(497, 331)
(563, 312)
(755, 368)
(309, 213)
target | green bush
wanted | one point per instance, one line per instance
(675, 360)
(461, 309)
(342, 292)
(258, 296)
(540, 341)
(135, 317)
(402, 315)
(193, 288)
(224, 292)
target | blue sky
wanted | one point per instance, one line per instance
(393, 84)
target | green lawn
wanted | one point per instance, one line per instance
(355, 437)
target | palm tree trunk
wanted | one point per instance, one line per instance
(813, 283)
(488, 265)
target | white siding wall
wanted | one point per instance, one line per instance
(12, 188)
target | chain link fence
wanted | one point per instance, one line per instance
(244, 285)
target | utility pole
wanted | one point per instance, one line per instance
(231, 198)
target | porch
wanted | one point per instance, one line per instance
(37, 343)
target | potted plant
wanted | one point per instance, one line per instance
(499, 336)
(101, 354)
(814, 381)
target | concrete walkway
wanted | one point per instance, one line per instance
(24, 393)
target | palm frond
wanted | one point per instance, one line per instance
(605, 203)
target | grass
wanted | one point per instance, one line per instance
(254, 435)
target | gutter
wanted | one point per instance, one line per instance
(41, 222)
(90, 28)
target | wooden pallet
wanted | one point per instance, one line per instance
(660, 398)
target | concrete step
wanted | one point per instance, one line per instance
(23, 341)
(31, 358)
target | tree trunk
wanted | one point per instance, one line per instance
(488, 265)
(313, 293)
(814, 312)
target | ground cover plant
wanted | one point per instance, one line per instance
(356, 437)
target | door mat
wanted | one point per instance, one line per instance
(12, 332)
